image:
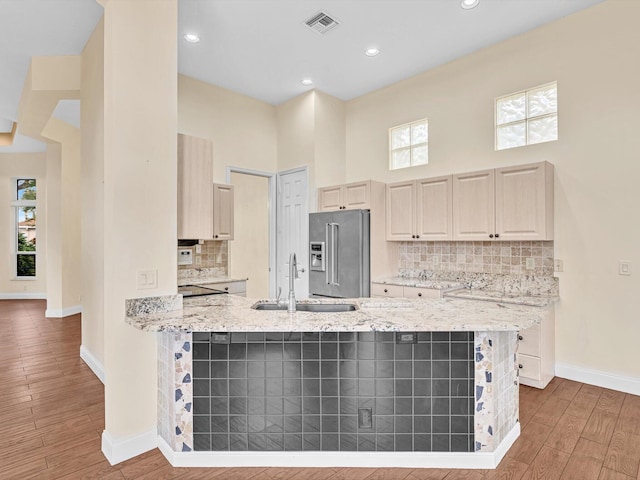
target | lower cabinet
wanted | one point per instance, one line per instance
(398, 291)
(536, 352)
(234, 288)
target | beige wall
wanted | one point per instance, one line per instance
(596, 159)
(296, 129)
(92, 191)
(26, 165)
(330, 140)
(243, 130)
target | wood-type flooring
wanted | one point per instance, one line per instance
(52, 417)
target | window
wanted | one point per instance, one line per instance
(24, 204)
(528, 117)
(409, 145)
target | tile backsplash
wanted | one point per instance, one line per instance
(214, 256)
(501, 257)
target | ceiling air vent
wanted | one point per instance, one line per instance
(322, 22)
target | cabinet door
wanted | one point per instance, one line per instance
(222, 212)
(421, 292)
(522, 200)
(195, 184)
(329, 198)
(357, 195)
(400, 211)
(433, 208)
(384, 290)
(474, 206)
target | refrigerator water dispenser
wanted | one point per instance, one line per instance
(316, 261)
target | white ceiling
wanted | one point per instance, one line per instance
(263, 49)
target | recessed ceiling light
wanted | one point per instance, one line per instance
(371, 52)
(191, 38)
(469, 4)
(306, 82)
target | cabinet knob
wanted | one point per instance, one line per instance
(497, 235)
(520, 366)
(491, 235)
(417, 236)
(386, 291)
(226, 288)
(413, 236)
(520, 337)
(419, 294)
(215, 236)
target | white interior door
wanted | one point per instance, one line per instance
(293, 229)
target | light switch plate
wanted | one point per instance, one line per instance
(558, 265)
(530, 263)
(146, 279)
(624, 267)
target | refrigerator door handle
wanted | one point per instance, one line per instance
(327, 259)
(334, 257)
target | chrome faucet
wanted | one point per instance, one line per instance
(293, 274)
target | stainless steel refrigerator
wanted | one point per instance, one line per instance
(339, 254)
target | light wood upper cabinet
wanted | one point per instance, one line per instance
(511, 203)
(351, 196)
(195, 183)
(205, 209)
(419, 209)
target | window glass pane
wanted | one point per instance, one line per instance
(543, 129)
(511, 109)
(400, 137)
(400, 158)
(26, 189)
(26, 266)
(510, 136)
(542, 101)
(419, 155)
(26, 229)
(419, 133)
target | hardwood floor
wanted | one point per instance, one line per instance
(51, 410)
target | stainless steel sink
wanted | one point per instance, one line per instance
(309, 307)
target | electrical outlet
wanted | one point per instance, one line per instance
(530, 263)
(146, 279)
(558, 265)
(624, 267)
(198, 248)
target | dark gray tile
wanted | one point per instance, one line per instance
(385, 337)
(422, 443)
(460, 351)
(201, 337)
(440, 424)
(274, 424)
(253, 337)
(292, 370)
(200, 369)
(201, 442)
(219, 352)
(440, 369)
(255, 387)
(292, 387)
(460, 443)
(404, 405)
(201, 423)
(201, 351)
(329, 405)
(441, 388)
(328, 369)
(219, 423)
(384, 443)
(219, 405)
(440, 351)
(348, 406)
(311, 441)
(219, 442)
(328, 336)
(257, 442)
(422, 387)
(384, 423)
(274, 351)
(440, 442)
(460, 406)
(460, 369)
(384, 369)
(422, 369)
(403, 369)
(237, 369)
(440, 406)
(422, 351)
(255, 351)
(347, 336)
(293, 423)
(330, 442)
(238, 337)
(459, 424)
(256, 406)
(403, 351)
(311, 387)
(329, 351)
(273, 369)
(238, 406)
(422, 405)
(421, 424)
(293, 337)
(404, 388)
(311, 405)
(384, 351)
(329, 387)
(219, 369)
(404, 424)
(348, 442)
(348, 369)
(237, 387)
(366, 369)
(255, 369)
(292, 405)
(201, 387)
(274, 337)
(311, 423)
(201, 406)
(384, 406)
(348, 424)
(403, 443)
(255, 424)
(424, 336)
(330, 423)
(310, 336)
(292, 351)
(440, 336)
(348, 386)
(384, 387)
(238, 442)
(366, 350)
(366, 442)
(274, 387)
(238, 424)
(460, 388)
(461, 336)
(293, 442)
(366, 387)
(366, 336)
(311, 369)
(275, 405)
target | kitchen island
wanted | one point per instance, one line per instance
(397, 382)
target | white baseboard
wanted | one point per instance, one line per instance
(23, 296)
(120, 449)
(92, 362)
(479, 460)
(62, 312)
(599, 378)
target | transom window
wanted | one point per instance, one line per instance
(409, 145)
(527, 117)
(24, 205)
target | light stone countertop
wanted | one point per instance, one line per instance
(231, 313)
(502, 297)
(422, 283)
(210, 280)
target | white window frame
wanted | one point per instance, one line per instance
(15, 206)
(527, 118)
(411, 145)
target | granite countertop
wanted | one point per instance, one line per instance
(417, 282)
(502, 297)
(210, 280)
(230, 313)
